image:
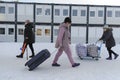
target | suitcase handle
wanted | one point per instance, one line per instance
(54, 51)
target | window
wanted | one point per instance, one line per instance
(117, 13)
(2, 9)
(11, 31)
(39, 32)
(10, 10)
(2, 31)
(83, 13)
(92, 13)
(65, 12)
(74, 12)
(39, 11)
(47, 32)
(47, 12)
(109, 13)
(100, 13)
(57, 12)
(20, 32)
(56, 32)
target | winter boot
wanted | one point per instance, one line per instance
(20, 56)
(75, 64)
(116, 56)
(109, 58)
(56, 64)
(31, 56)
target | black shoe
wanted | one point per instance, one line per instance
(19, 56)
(116, 56)
(56, 64)
(31, 56)
(75, 64)
(109, 58)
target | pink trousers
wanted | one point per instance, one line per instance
(59, 53)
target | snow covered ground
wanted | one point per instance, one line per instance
(12, 68)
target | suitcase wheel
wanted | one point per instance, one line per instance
(25, 64)
(80, 58)
(30, 69)
(96, 59)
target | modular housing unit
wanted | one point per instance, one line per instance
(87, 21)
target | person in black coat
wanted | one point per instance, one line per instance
(108, 38)
(29, 39)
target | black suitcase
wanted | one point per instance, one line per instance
(38, 59)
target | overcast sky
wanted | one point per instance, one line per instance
(94, 2)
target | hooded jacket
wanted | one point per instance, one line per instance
(63, 39)
(28, 33)
(108, 37)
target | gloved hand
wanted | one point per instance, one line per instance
(101, 40)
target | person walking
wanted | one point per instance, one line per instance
(62, 43)
(28, 39)
(109, 40)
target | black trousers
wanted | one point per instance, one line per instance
(110, 52)
(25, 46)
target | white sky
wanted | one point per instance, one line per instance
(94, 2)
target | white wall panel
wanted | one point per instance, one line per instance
(10, 17)
(78, 34)
(116, 34)
(3, 16)
(3, 36)
(20, 33)
(60, 18)
(9, 35)
(94, 34)
(6, 16)
(96, 19)
(24, 12)
(79, 19)
(55, 33)
(43, 33)
(42, 17)
(113, 20)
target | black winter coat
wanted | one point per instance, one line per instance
(29, 34)
(108, 38)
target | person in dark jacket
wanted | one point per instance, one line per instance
(108, 38)
(28, 39)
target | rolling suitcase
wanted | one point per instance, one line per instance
(38, 59)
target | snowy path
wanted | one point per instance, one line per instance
(12, 68)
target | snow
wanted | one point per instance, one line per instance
(12, 68)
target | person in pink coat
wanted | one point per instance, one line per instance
(62, 43)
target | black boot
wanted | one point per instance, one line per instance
(75, 64)
(116, 56)
(109, 58)
(56, 64)
(31, 56)
(20, 56)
